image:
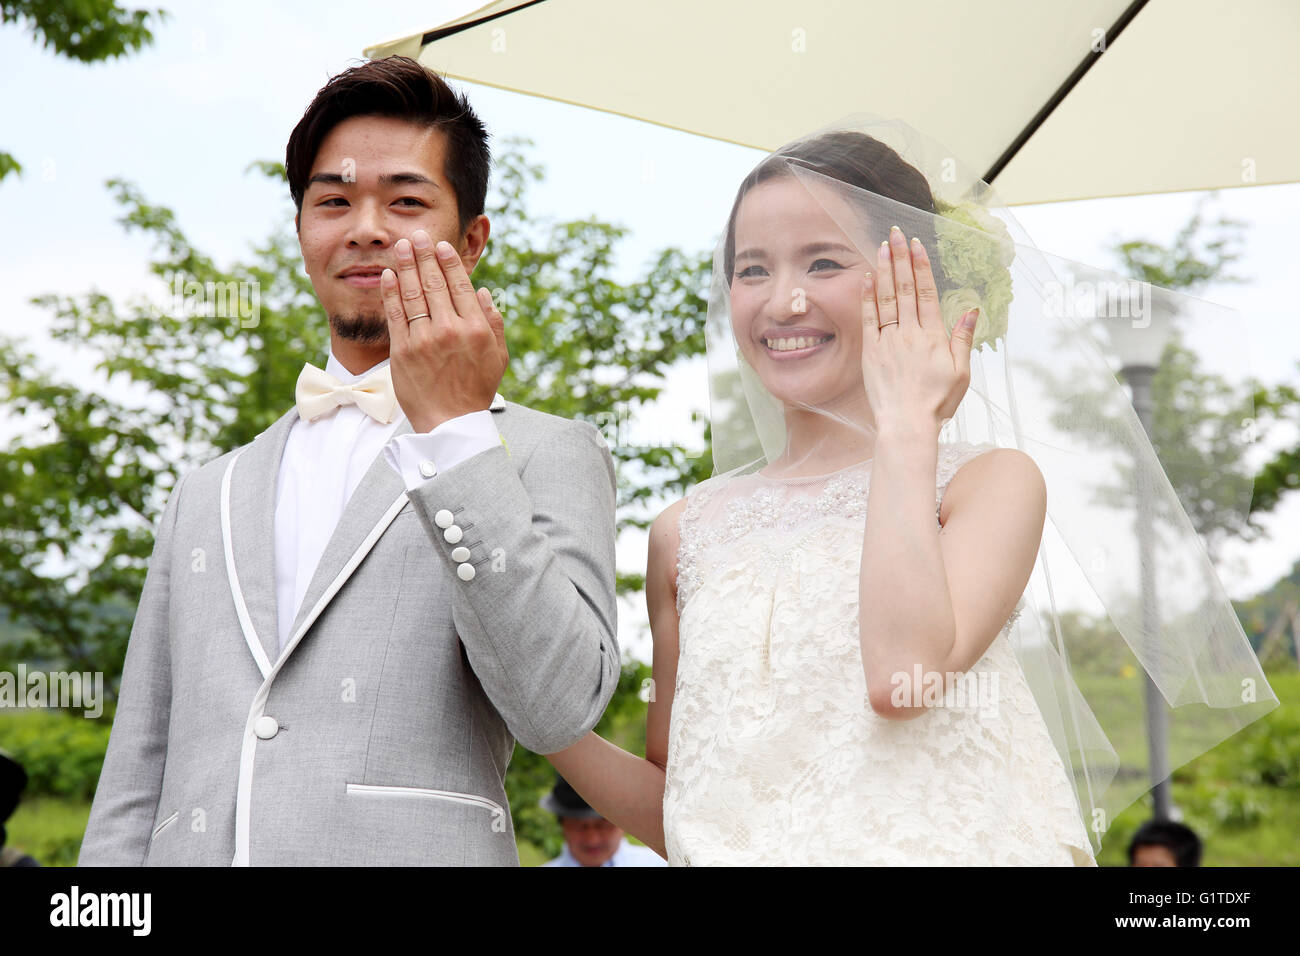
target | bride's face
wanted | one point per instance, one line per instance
(796, 295)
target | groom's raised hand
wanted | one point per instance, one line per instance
(446, 341)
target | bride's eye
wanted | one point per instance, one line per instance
(821, 265)
(751, 273)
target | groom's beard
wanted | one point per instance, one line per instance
(364, 328)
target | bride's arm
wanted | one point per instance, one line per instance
(625, 789)
(937, 598)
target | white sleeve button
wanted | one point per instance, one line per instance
(465, 572)
(460, 554)
(428, 468)
(444, 519)
(453, 534)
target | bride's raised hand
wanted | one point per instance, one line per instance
(914, 372)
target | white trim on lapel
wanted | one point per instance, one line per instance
(228, 545)
(248, 751)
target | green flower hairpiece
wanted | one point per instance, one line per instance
(975, 251)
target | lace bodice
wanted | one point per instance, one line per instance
(775, 755)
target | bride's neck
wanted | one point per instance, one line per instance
(817, 443)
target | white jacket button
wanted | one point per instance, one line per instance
(460, 554)
(465, 572)
(266, 727)
(444, 519)
(453, 534)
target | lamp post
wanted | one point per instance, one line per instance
(1138, 326)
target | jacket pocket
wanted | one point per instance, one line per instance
(498, 813)
(164, 825)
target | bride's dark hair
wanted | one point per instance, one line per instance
(857, 160)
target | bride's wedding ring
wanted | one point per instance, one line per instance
(883, 324)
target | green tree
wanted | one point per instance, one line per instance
(86, 31)
(1281, 473)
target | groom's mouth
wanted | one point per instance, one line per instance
(788, 347)
(362, 277)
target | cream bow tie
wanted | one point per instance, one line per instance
(318, 391)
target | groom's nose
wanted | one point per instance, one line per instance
(369, 225)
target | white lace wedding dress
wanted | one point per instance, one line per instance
(775, 755)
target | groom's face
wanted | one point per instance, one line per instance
(375, 180)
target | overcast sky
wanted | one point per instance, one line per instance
(224, 84)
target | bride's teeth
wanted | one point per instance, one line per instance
(790, 345)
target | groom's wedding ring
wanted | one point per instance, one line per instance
(412, 318)
(883, 324)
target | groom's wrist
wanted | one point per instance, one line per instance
(417, 457)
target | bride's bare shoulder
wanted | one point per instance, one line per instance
(664, 542)
(994, 474)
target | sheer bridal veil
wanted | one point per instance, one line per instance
(1123, 586)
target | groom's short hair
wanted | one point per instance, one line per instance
(401, 88)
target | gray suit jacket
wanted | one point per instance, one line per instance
(381, 735)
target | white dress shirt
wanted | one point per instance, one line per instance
(324, 461)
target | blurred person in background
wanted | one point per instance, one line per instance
(590, 839)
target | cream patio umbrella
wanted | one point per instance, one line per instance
(1052, 100)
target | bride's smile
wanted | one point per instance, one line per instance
(787, 344)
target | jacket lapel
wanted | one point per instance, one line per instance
(252, 523)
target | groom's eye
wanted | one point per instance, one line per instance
(418, 202)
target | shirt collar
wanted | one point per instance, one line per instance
(335, 368)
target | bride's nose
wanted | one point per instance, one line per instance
(787, 299)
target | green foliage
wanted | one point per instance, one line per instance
(1281, 473)
(1239, 797)
(86, 31)
(9, 165)
(1198, 256)
(1273, 760)
(61, 753)
(49, 829)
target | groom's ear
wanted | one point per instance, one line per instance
(297, 228)
(474, 241)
